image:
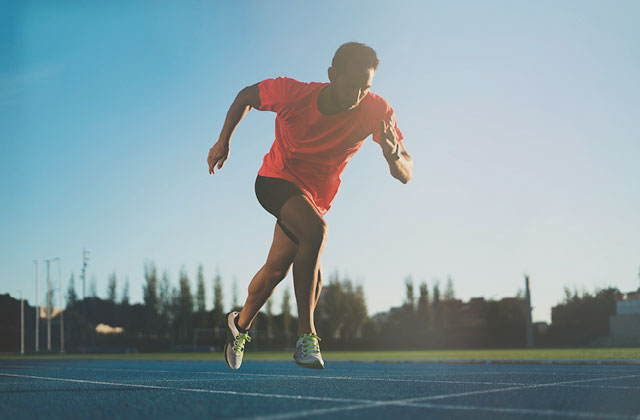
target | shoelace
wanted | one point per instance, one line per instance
(310, 343)
(238, 344)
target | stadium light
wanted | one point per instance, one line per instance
(37, 306)
(61, 306)
(21, 323)
(48, 306)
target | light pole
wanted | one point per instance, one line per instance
(21, 323)
(61, 306)
(37, 306)
(48, 307)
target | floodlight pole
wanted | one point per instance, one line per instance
(48, 307)
(21, 323)
(37, 306)
(61, 307)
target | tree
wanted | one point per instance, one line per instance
(93, 287)
(111, 288)
(234, 295)
(125, 292)
(186, 298)
(449, 293)
(72, 297)
(424, 316)
(269, 318)
(150, 288)
(185, 307)
(201, 295)
(579, 320)
(286, 311)
(410, 297)
(436, 306)
(218, 299)
(164, 294)
(342, 310)
(166, 304)
(330, 310)
(355, 313)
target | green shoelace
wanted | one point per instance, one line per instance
(238, 344)
(310, 343)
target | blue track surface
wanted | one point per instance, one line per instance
(162, 390)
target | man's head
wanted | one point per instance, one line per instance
(351, 74)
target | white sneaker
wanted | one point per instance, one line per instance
(234, 347)
(308, 352)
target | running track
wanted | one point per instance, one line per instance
(109, 389)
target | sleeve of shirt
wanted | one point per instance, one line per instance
(387, 112)
(279, 95)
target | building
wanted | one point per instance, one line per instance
(624, 326)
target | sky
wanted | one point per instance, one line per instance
(521, 118)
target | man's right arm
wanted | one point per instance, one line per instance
(246, 99)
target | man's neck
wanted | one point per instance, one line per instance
(325, 104)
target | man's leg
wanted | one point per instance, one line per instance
(281, 256)
(300, 217)
(318, 289)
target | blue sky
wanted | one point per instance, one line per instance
(521, 117)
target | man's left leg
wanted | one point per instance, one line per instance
(280, 257)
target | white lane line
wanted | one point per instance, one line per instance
(603, 386)
(512, 388)
(277, 376)
(541, 412)
(408, 401)
(507, 372)
(210, 391)
(233, 376)
(305, 413)
(344, 378)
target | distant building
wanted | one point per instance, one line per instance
(624, 326)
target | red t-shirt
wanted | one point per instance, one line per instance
(311, 149)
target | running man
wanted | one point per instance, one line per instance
(319, 127)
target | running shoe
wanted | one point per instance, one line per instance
(234, 347)
(308, 352)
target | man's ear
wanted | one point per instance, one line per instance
(331, 73)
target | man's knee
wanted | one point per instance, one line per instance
(316, 233)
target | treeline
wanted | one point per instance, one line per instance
(582, 318)
(173, 317)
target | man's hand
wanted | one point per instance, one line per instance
(389, 139)
(218, 154)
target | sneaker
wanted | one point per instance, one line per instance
(234, 347)
(308, 352)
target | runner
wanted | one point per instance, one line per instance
(319, 127)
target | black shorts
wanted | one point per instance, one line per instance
(272, 193)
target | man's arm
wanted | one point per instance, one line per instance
(393, 150)
(246, 99)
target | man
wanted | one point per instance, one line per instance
(319, 126)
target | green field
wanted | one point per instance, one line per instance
(502, 354)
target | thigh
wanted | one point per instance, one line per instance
(299, 216)
(272, 193)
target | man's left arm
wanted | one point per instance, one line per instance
(393, 150)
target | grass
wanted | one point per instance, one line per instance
(538, 354)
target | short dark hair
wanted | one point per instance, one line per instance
(360, 54)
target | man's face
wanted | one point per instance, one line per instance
(350, 85)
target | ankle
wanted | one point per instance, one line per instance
(241, 329)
